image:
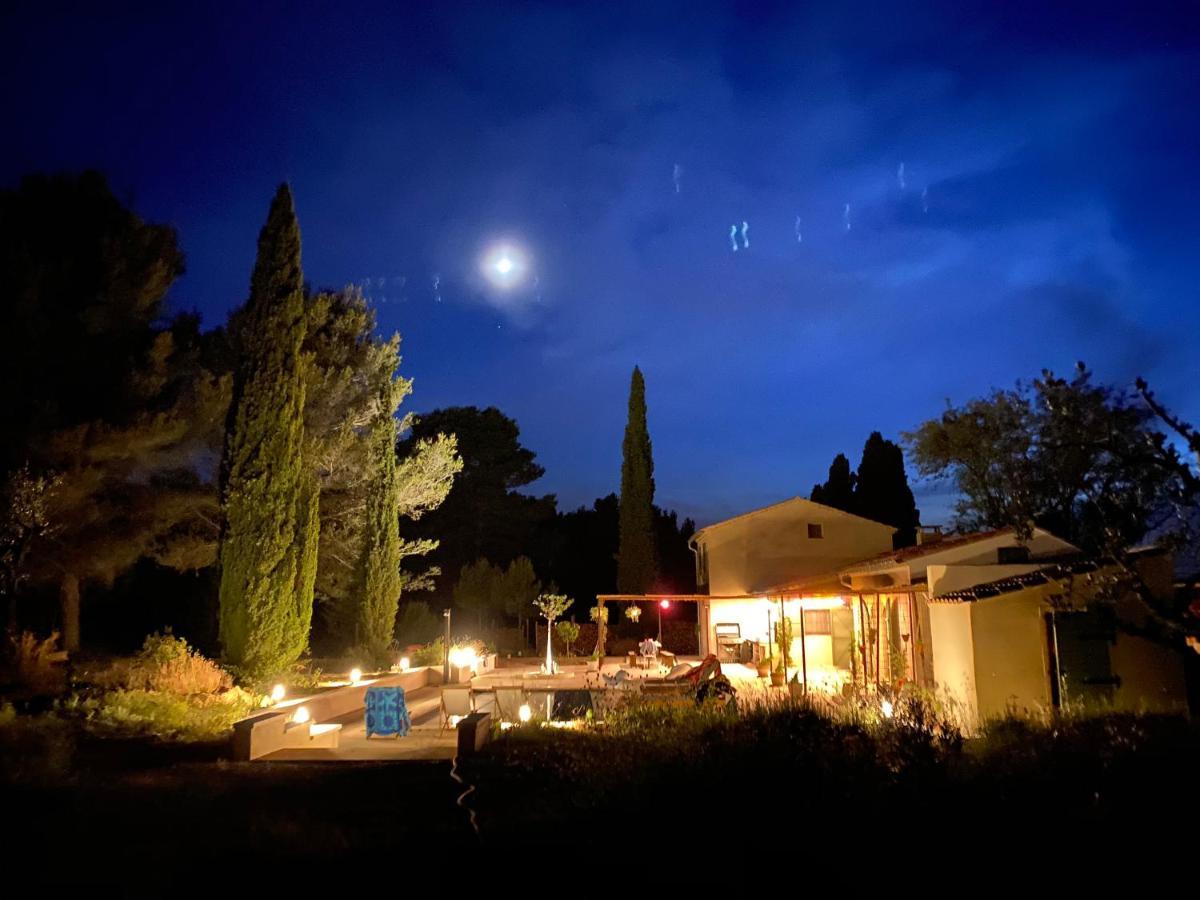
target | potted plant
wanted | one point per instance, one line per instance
(764, 667)
(777, 675)
(797, 688)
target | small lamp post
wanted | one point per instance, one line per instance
(446, 650)
(662, 604)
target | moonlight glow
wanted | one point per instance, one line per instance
(504, 266)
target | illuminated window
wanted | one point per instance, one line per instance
(816, 530)
(818, 621)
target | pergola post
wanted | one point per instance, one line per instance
(783, 633)
(803, 650)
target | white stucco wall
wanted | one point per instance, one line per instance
(1012, 662)
(771, 547)
(954, 657)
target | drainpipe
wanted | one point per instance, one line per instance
(696, 553)
(1062, 695)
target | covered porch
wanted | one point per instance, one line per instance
(823, 637)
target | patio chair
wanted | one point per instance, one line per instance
(615, 680)
(456, 701)
(483, 700)
(648, 653)
(509, 702)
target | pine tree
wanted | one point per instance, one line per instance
(269, 545)
(112, 404)
(379, 565)
(636, 563)
(838, 490)
(352, 378)
(882, 492)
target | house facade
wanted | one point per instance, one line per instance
(991, 622)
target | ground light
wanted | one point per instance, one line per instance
(524, 713)
(355, 676)
(300, 716)
(278, 693)
(404, 664)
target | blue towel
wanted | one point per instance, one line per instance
(387, 713)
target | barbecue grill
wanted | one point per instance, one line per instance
(730, 646)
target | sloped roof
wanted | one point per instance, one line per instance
(1012, 583)
(891, 558)
(790, 500)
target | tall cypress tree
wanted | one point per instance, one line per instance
(882, 492)
(379, 566)
(268, 549)
(636, 563)
(838, 490)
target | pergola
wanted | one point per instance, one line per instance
(601, 599)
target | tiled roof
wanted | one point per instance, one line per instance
(898, 557)
(1045, 575)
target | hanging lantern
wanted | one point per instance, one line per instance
(633, 613)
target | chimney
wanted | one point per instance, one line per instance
(928, 534)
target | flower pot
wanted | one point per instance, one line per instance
(777, 679)
(764, 670)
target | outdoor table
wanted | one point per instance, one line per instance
(386, 711)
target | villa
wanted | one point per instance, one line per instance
(991, 622)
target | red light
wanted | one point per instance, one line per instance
(665, 604)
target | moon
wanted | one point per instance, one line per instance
(504, 265)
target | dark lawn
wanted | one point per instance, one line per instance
(679, 797)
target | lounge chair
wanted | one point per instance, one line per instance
(456, 701)
(483, 700)
(615, 680)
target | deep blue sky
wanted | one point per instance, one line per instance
(1058, 153)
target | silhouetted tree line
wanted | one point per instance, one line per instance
(139, 448)
(878, 490)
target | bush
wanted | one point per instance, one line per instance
(167, 664)
(432, 654)
(163, 714)
(511, 641)
(36, 663)
(416, 623)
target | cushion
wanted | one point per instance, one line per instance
(386, 711)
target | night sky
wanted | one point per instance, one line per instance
(1047, 210)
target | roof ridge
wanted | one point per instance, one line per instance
(760, 509)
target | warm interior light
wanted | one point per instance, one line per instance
(300, 716)
(525, 713)
(404, 662)
(355, 676)
(278, 692)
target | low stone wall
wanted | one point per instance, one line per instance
(272, 729)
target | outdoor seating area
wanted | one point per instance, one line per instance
(416, 716)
